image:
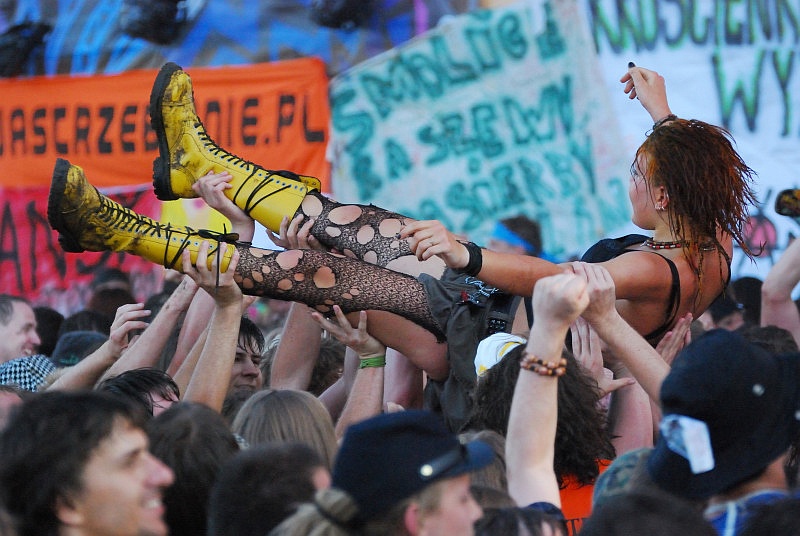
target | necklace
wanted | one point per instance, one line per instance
(653, 244)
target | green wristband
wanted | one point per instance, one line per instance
(377, 361)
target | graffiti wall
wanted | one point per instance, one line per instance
(485, 117)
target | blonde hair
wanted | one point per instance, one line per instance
(328, 515)
(333, 510)
(287, 415)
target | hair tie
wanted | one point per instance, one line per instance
(348, 525)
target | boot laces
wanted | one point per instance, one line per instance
(253, 199)
(125, 219)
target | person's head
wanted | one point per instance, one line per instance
(520, 235)
(328, 367)
(747, 290)
(287, 415)
(48, 321)
(492, 475)
(581, 434)
(152, 389)
(693, 172)
(108, 300)
(246, 374)
(724, 313)
(86, 320)
(18, 335)
(261, 486)
(110, 278)
(626, 474)
(739, 405)
(514, 521)
(80, 461)
(651, 512)
(771, 338)
(194, 441)
(406, 469)
(73, 346)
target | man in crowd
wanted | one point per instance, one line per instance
(18, 335)
(77, 463)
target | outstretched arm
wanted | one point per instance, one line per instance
(365, 398)
(777, 307)
(530, 442)
(211, 188)
(511, 273)
(88, 371)
(211, 376)
(146, 349)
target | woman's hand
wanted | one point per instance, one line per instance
(427, 238)
(650, 88)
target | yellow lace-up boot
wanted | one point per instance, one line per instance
(187, 153)
(86, 220)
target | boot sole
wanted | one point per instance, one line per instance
(161, 171)
(54, 200)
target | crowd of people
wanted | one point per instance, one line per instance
(418, 384)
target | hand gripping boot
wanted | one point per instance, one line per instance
(86, 220)
(187, 153)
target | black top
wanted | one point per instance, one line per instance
(610, 248)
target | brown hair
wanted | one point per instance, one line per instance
(708, 183)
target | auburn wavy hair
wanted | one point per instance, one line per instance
(708, 183)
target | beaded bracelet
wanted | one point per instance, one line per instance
(475, 259)
(541, 367)
(370, 362)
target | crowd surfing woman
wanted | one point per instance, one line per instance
(688, 186)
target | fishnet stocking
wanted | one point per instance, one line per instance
(366, 232)
(321, 280)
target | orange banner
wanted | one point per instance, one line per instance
(33, 265)
(274, 114)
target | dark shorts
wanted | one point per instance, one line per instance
(468, 311)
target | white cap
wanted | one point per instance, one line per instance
(493, 348)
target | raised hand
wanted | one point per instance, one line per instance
(675, 339)
(220, 285)
(587, 349)
(211, 188)
(601, 290)
(358, 338)
(127, 318)
(650, 88)
(559, 299)
(296, 234)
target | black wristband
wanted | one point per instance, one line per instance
(475, 259)
(670, 117)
